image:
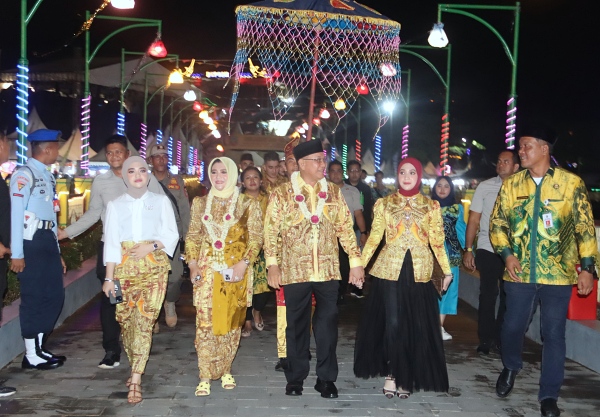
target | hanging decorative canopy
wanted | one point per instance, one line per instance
(338, 44)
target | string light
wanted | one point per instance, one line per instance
(333, 153)
(22, 106)
(178, 156)
(191, 160)
(511, 127)
(345, 159)
(85, 133)
(121, 124)
(143, 136)
(445, 137)
(157, 49)
(405, 132)
(358, 150)
(170, 151)
(159, 136)
(201, 171)
(195, 157)
(377, 153)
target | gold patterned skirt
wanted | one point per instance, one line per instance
(144, 284)
(220, 314)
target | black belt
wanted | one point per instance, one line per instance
(45, 224)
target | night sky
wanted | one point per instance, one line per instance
(557, 67)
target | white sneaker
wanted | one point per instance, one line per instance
(170, 314)
(446, 335)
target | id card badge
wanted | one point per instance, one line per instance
(227, 274)
(547, 218)
(56, 204)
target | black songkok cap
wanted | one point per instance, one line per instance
(307, 148)
(538, 131)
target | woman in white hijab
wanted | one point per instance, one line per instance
(139, 232)
(225, 236)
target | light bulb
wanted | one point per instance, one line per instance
(189, 95)
(340, 104)
(203, 114)
(437, 36)
(123, 4)
(176, 77)
(157, 49)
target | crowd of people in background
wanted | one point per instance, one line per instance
(285, 232)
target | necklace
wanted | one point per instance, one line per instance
(315, 217)
(218, 240)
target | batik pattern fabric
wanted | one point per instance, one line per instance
(220, 305)
(307, 253)
(555, 218)
(260, 284)
(408, 223)
(143, 284)
(454, 230)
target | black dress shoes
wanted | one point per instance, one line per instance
(549, 408)
(294, 389)
(326, 388)
(505, 382)
(281, 365)
(44, 366)
(483, 348)
(51, 355)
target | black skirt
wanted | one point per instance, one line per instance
(399, 334)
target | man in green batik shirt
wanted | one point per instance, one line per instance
(542, 226)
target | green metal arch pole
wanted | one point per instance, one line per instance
(23, 84)
(87, 98)
(445, 131)
(511, 105)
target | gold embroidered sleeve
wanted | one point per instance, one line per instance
(193, 239)
(499, 228)
(272, 227)
(255, 231)
(377, 231)
(437, 238)
(585, 231)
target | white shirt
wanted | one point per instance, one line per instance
(483, 202)
(150, 217)
(352, 197)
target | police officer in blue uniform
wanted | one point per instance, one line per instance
(35, 251)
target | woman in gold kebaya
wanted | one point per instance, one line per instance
(139, 232)
(399, 335)
(224, 238)
(252, 187)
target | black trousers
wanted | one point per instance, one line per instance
(41, 283)
(259, 301)
(325, 327)
(111, 330)
(491, 269)
(344, 270)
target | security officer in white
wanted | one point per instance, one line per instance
(35, 251)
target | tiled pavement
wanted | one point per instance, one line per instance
(79, 388)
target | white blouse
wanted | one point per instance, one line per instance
(150, 217)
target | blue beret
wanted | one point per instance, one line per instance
(44, 135)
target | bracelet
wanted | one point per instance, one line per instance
(363, 233)
(108, 280)
(192, 262)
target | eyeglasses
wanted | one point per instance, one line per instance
(317, 160)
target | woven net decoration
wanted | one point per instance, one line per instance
(343, 44)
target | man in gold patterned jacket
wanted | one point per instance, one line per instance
(542, 226)
(310, 214)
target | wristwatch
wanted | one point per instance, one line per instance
(155, 246)
(246, 261)
(469, 249)
(363, 233)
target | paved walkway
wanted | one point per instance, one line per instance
(79, 388)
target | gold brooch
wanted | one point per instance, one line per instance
(556, 186)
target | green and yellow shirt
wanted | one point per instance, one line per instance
(549, 227)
